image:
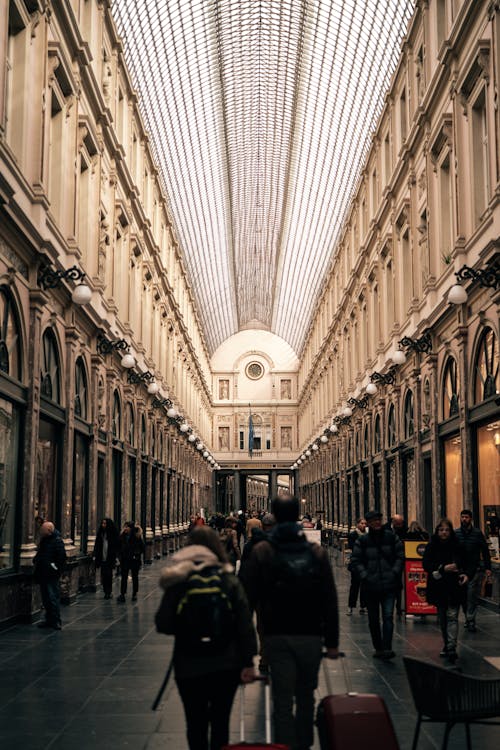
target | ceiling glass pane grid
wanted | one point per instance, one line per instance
(260, 114)
(350, 52)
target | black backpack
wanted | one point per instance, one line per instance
(295, 572)
(204, 620)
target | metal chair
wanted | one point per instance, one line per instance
(444, 695)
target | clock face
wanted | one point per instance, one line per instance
(254, 370)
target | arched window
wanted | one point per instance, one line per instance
(81, 402)
(366, 442)
(357, 455)
(349, 452)
(50, 371)
(450, 389)
(144, 437)
(377, 435)
(409, 425)
(116, 421)
(131, 425)
(160, 447)
(486, 369)
(392, 436)
(10, 340)
(153, 441)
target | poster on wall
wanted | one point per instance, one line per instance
(416, 580)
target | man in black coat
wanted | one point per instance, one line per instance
(378, 559)
(477, 563)
(291, 583)
(49, 563)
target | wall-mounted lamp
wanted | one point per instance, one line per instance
(104, 346)
(423, 344)
(371, 389)
(388, 379)
(144, 377)
(399, 357)
(488, 277)
(49, 279)
(315, 447)
(324, 438)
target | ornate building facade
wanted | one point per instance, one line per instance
(115, 407)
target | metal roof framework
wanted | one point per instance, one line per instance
(260, 113)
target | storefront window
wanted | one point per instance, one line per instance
(453, 478)
(377, 435)
(47, 452)
(131, 425)
(9, 444)
(80, 469)
(450, 389)
(116, 422)
(488, 460)
(486, 370)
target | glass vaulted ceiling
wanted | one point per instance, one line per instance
(260, 113)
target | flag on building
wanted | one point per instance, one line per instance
(250, 432)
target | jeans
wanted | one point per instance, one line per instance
(207, 701)
(384, 600)
(473, 591)
(448, 622)
(353, 593)
(132, 566)
(294, 662)
(49, 590)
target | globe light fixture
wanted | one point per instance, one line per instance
(399, 357)
(308, 453)
(192, 438)
(457, 295)
(205, 454)
(324, 439)
(127, 361)
(371, 389)
(199, 446)
(303, 457)
(347, 411)
(299, 461)
(82, 294)
(184, 427)
(315, 447)
(172, 413)
(334, 428)
(153, 388)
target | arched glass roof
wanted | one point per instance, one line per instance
(260, 113)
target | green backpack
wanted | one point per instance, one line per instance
(204, 621)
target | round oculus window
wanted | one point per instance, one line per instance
(254, 370)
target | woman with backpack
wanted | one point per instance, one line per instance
(205, 607)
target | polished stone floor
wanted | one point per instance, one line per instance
(91, 685)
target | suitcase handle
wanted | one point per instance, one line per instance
(347, 677)
(267, 704)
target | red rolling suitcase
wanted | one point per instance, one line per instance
(267, 745)
(355, 721)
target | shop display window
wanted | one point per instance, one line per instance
(488, 481)
(453, 478)
(9, 445)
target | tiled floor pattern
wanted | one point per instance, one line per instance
(92, 684)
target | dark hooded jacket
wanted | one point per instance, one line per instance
(51, 556)
(378, 560)
(443, 587)
(132, 546)
(315, 610)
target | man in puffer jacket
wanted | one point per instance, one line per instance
(378, 559)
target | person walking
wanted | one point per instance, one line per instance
(106, 549)
(290, 582)
(229, 539)
(444, 561)
(207, 680)
(353, 536)
(477, 563)
(49, 563)
(378, 559)
(132, 550)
